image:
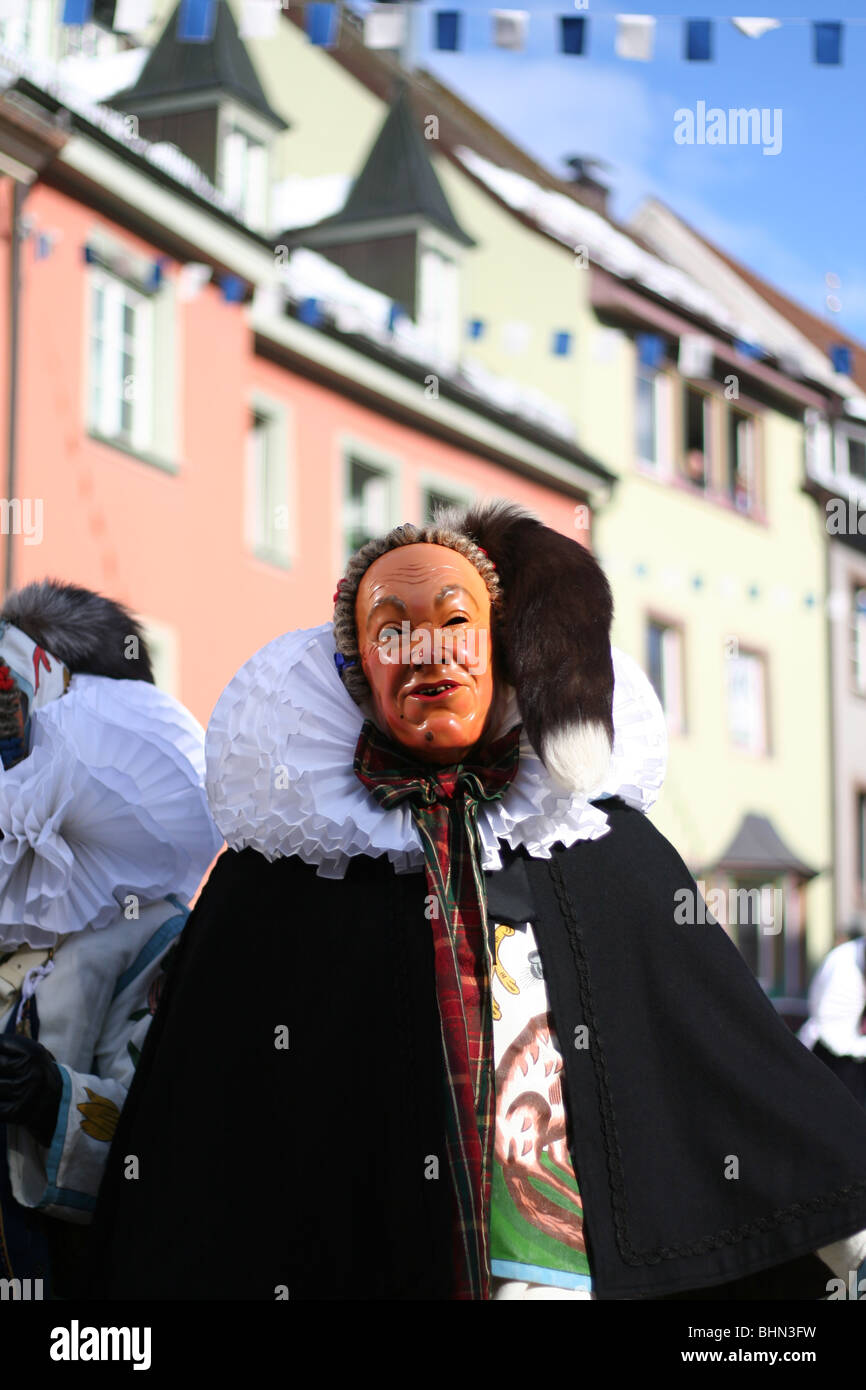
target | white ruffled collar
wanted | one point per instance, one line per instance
(109, 805)
(280, 746)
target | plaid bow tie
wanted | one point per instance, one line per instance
(444, 803)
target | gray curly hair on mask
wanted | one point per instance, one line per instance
(446, 529)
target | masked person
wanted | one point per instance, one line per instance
(105, 836)
(470, 1052)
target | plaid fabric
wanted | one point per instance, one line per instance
(444, 803)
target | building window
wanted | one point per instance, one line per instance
(646, 415)
(861, 845)
(368, 503)
(244, 178)
(438, 303)
(858, 639)
(696, 437)
(850, 454)
(665, 668)
(435, 495)
(121, 362)
(759, 936)
(747, 702)
(267, 487)
(742, 471)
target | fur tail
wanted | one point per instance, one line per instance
(555, 638)
(88, 633)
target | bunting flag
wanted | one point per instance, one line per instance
(475, 328)
(650, 349)
(196, 21)
(840, 356)
(192, 279)
(310, 311)
(259, 19)
(561, 344)
(385, 26)
(755, 28)
(515, 336)
(154, 277)
(321, 24)
(233, 288)
(699, 40)
(828, 43)
(510, 28)
(447, 37)
(130, 15)
(635, 35)
(572, 30)
(695, 355)
(749, 349)
(77, 11)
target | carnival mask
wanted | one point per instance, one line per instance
(423, 621)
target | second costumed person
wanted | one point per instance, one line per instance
(471, 1053)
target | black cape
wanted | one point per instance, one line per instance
(303, 1171)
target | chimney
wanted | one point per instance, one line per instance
(585, 181)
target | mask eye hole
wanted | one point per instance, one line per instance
(386, 633)
(459, 618)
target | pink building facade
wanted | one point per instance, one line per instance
(205, 460)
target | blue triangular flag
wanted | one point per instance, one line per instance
(42, 246)
(447, 30)
(475, 328)
(196, 21)
(561, 344)
(321, 23)
(573, 33)
(699, 40)
(828, 42)
(748, 349)
(154, 276)
(650, 349)
(233, 288)
(310, 312)
(77, 11)
(840, 356)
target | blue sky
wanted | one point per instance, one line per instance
(793, 216)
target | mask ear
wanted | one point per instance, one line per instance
(554, 634)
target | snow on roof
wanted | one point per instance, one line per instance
(576, 225)
(45, 75)
(297, 201)
(355, 308)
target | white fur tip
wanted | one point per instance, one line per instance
(577, 757)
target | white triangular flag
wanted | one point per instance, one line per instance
(635, 34)
(754, 28)
(385, 26)
(130, 15)
(191, 279)
(515, 336)
(509, 28)
(695, 355)
(259, 19)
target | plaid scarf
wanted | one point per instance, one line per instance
(444, 803)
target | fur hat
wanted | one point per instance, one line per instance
(88, 633)
(552, 610)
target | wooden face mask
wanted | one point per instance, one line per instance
(423, 620)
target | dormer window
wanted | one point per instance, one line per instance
(243, 169)
(438, 313)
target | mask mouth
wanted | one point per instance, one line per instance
(434, 690)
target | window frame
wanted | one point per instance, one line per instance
(653, 618)
(747, 650)
(353, 448)
(280, 435)
(106, 422)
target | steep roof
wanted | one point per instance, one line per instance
(398, 179)
(822, 333)
(758, 848)
(175, 68)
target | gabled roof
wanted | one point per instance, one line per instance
(175, 68)
(398, 180)
(822, 333)
(758, 848)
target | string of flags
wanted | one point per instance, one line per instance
(386, 26)
(695, 354)
(728, 586)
